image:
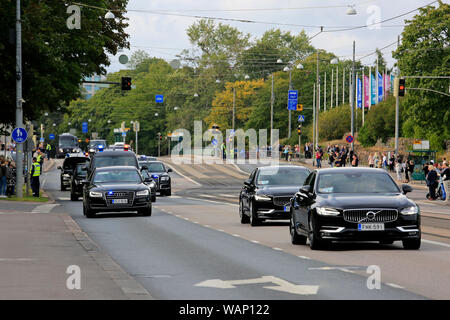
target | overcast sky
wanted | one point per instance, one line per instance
(164, 36)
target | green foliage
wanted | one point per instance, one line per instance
(424, 51)
(55, 58)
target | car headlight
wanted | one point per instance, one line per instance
(152, 184)
(410, 211)
(262, 198)
(327, 211)
(164, 178)
(94, 194)
(142, 193)
(61, 150)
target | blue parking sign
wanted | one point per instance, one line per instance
(159, 98)
(51, 136)
(19, 135)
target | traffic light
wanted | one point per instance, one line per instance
(299, 130)
(401, 87)
(126, 83)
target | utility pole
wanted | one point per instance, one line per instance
(337, 86)
(272, 101)
(352, 99)
(19, 110)
(325, 93)
(317, 101)
(397, 110)
(159, 144)
(314, 122)
(234, 105)
(332, 88)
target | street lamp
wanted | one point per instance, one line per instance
(351, 11)
(196, 95)
(109, 15)
(156, 114)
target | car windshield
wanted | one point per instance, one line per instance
(282, 177)
(356, 183)
(67, 141)
(155, 167)
(114, 161)
(80, 171)
(117, 176)
(95, 144)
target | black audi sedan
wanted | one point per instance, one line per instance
(116, 189)
(267, 193)
(76, 184)
(160, 174)
(353, 204)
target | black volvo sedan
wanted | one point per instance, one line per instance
(353, 204)
(116, 189)
(267, 193)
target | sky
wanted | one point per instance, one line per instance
(164, 36)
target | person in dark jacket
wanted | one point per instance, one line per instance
(432, 182)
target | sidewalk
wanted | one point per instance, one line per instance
(37, 248)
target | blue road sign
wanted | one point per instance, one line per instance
(84, 127)
(293, 94)
(214, 142)
(301, 118)
(349, 139)
(41, 140)
(19, 135)
(51, 136)
(159, 98)
(124, 134)
(292, 105)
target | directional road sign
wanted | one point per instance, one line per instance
(159, 98)
(84, 127)
(292, 100)
(51, 136)
(19, 135)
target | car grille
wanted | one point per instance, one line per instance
(281, 201)
(120, 195)
(377, 215)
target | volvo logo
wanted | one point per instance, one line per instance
(370, 215)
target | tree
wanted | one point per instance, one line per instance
(424, 52)
(55, 59)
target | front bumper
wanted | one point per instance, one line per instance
(405, 227)
(269, 211)
(104, 205)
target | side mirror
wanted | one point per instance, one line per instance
(144, 168)
(248, 183)
(169, 170)
(305, 190)
(148, 180)
(59, 168)
(84, 182)
(406, 188)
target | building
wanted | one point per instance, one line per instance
(89, 89)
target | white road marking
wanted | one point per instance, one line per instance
(186, 219)
(64, 198)
(177, 172)
(303, 257)
(437, 243)
(278, 249)
(220, 230)
(236, 235)
(216, 202)
(44, 208)
(207, 225)
(280, 285)
(254, 241)
(16, 259)
(393, 285)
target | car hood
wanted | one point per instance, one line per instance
(119, 187)
(355, 201)
(277, 191)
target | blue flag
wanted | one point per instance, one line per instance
(373, 94)
(380, 87)
(359, 93)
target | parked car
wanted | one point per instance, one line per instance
(354, 204)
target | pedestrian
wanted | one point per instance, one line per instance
(48, 150)
(411, 167)
(286, 152)
(3, 175)
(11, 179)
(35, 173)
(371, 162)
(40, 158)
(391, 163)
(398, 170)
(384, 161)
(319, 155)
(224, 151)
(432, 182)
(355, 160)
(331, 159)
(445, 174)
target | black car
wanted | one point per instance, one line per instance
(150, 182)
(95, 145)
(68, 167)
(268, 191)
(110, 158)
(76, 182)
(354, 204)
(160, 174)
(116, 189)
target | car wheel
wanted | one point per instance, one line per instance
(147, 212)
(254, 221)
(411, 244)
(63, 187)
(315, 243)
(244, 218)
(169, 193)
(73, 197)
(153, 198)
(295, 237)
(88, 212)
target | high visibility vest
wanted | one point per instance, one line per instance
(49, 147)
(39, 158)
(37, 169)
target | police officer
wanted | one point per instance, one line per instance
(224, 151)
(40, 158)
(48, 149)
(35, 173)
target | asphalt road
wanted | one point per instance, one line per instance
(194, 247)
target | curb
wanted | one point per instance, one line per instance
(129, 286)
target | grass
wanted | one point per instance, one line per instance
(27, 198)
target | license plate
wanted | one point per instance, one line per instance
(287, 208)
(371, 227)
(120, 201)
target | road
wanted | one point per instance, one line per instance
(194, 247)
